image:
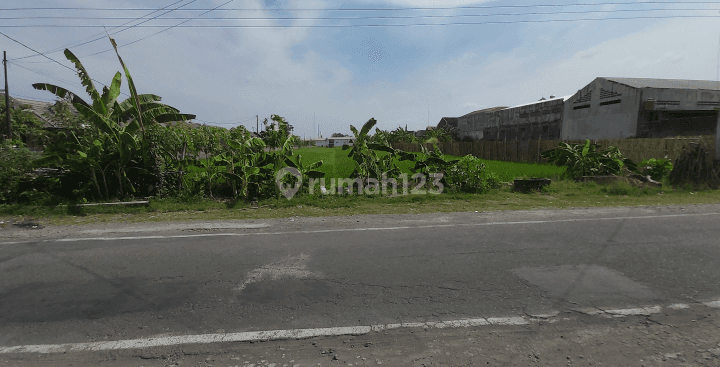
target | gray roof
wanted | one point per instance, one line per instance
(667, 83)
(41, 109)
(487, 110)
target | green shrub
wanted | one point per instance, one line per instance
(657, 169)
(586, 160)
(16, 166)
(468, 174)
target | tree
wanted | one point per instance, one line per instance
(276, 132)
(118, 121)
(25, 125)
(337, 135)
(401, 135)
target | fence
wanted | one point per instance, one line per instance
(529, 151)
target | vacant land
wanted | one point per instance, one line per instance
(560, 194)
(337, 164)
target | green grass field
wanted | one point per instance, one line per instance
(336, 164)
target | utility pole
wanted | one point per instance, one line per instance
(717, 128)
(7, 98)
(717, 139)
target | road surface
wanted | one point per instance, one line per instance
(75, 289)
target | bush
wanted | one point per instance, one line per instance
(468, 174)
(16, 166)
(586, 160)
(657, 169)
(694, 168)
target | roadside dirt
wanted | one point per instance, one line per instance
(31, 231)
(687, 337)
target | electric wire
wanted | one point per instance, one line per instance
(51, 59)
(358, 25)
(44, 74)
(164, 30)
(378, 9)
(227, 123)
(22, 96)
(103, 35)
(374, 17)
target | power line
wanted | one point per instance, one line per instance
(51, 59)
(14, 95)
(374, 17)
(227, 123)
(378, 9)
(166, 29)
(358, 25)
(102, 35)
(44, 74)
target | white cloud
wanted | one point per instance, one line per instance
(234, 74)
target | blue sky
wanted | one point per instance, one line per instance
(335, 77)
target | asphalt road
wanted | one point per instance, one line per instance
(113, 283)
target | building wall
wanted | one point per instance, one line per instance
(602, 110)
(479, 122)
(675, 112)
(539, 120)
(338, 142)
(542, 119)
(474, 124)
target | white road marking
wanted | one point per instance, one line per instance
(293, 267)
(160, 341)
(365, 229)
(679, 306)
(635, 311)
(168, 340)
(714, 304)
(180, 226)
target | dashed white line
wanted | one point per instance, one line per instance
(714, 304)
(635, 311)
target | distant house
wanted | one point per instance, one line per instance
(421, 133)
(332, 142)
(340, 141)
(41, 109)
(448, 123)
(318, 142)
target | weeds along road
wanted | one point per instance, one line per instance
(225, 280)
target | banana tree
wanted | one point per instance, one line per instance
(585, 159)
(245, 163)
(368, 164)
(363, 156)
(309, 170)
(119, 120)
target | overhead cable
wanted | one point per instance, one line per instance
(376, 9)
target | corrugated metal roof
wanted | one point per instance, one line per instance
(486, 110)
(542, 101)
(41, 109)
(666, 83)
